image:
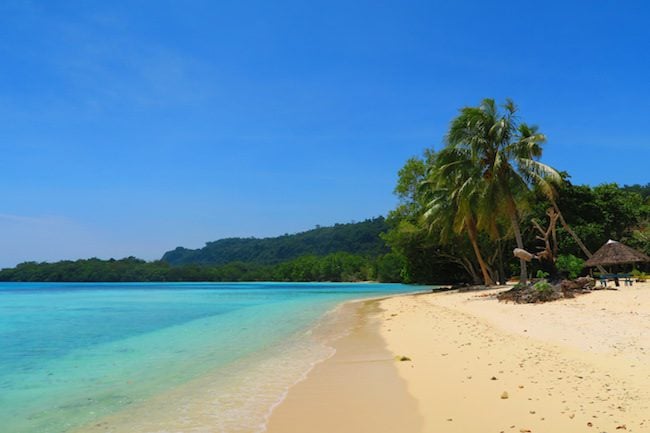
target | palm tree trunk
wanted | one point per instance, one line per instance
(472, 233)
(503, 278)
(469, 267)
(575, 237)
(466, 264)
(512, 211)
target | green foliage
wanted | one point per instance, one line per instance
(570, 264)
(390, 268)
(639, 275)
(543, 287)
(423, 261)
(333, 267)
(461, 207)
(355, 238)
(442, 200)
(506, 153)
(600, 213)
(339, 266)
(642, 190)
(411, 175)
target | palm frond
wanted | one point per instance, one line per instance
(540, 174)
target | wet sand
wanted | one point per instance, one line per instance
(477, 365)
(356, 390)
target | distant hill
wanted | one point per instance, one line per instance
(360, 238)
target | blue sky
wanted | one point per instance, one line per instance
(129, 128)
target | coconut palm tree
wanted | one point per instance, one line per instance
(506, 153)
(455, 202)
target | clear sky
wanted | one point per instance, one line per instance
(129, 128)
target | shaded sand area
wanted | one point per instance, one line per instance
(477, 365)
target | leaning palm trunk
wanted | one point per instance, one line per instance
(575, 237)
(495, 264)
(466, 264)
(512, 211)
(473, 238)
(469, 267)
(503, 277)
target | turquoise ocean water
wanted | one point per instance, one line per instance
(191, 357)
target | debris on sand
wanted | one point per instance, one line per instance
(543, 291)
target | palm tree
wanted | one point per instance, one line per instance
(506, 153)
(455, 202)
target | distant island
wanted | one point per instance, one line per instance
(343, 252)
(360, 239)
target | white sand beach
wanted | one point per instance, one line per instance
(478, 365)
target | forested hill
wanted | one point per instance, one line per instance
(360, 238)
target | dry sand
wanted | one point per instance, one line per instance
(477, 365)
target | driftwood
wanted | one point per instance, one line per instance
(546, 292)
(579, 284)
(548, 236)
(573, 234)
(547, 254)
(523, 254)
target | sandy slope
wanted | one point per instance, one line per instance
(356, 390)
(570, 366)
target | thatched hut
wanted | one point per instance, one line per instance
(615, 253)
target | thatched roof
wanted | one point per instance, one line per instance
(615, 253)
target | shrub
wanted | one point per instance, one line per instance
(543, 286)
(570, 264)
(639, 275)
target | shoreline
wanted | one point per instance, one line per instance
(336, 324)
(221, 400)
(480, 365)
(360, 365)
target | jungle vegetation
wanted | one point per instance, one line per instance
(360, 238)
(486, 192)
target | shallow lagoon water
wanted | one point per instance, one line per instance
(198, 356)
